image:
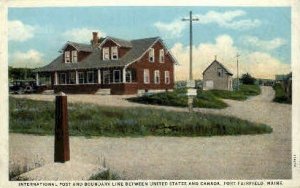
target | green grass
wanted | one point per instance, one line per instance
(280, 96)
(106, 175)
(37, 117)
(204, 99)
(244, 92)
(178, 98)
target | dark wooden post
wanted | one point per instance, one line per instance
(62, 148)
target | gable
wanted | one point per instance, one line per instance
(108, 43)
(69, 48)
(77, 46)
(219, 66)
(114, 41)
(157, 44)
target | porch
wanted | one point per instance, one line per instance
(118, 80)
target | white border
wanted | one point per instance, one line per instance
(295, 11)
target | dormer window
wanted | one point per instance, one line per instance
(151, 55)
(67, 57)
(74, 56)
(106, 53)
(114, 53)
(161, 56)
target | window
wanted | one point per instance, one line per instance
(167, 77)
(67, 57)
(81, 77)
(161, 56)
(114, 52)
(151, 55)
(106, 77)
(72, 78)
(106, 53)
(90, 77)
(62, 78)
(146, 76)
(74, 56)
(128, 76)
(117, 76)
(156, 77)
(220, 72)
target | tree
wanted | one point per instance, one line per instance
(248, 79)
(20, 73)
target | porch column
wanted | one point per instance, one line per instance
(37, 79)
(76, 77)
(124, 75)
(55, 78)
(99, 76)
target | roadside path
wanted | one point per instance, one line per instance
(221, 157)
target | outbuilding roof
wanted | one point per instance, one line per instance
(215, 61)
(138, 48)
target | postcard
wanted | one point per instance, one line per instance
(150, 94)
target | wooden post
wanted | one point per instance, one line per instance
(62, 148)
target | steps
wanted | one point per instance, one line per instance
(48, 92)
(103, 92)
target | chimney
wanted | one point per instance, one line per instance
(95, 39)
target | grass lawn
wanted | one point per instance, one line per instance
(280, 94)
(37, 117)
(204, 99)
(244, 92)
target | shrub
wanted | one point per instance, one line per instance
(105, 175)
(280, 95)
(248, 79)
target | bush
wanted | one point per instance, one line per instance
(105, 175)
(248, 79)
(280, 95)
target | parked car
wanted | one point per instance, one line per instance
(22, 86)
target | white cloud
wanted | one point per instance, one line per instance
(258, 64)
(264, 44)
(228, 19)
(263, 65)
(171, 30)
(81, 34)
(18, 31)
(30, 59)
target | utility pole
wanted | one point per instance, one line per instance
(237, 71)
(191, 84)
(191, 19)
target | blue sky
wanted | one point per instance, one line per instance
(261, 35)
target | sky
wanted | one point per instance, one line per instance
(261, 35)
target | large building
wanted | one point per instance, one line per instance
(111, 64)
(217, 76)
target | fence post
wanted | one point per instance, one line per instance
(62, 148)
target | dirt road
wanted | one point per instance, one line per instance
(220, 157)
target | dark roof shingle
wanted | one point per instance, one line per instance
(139, 47)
